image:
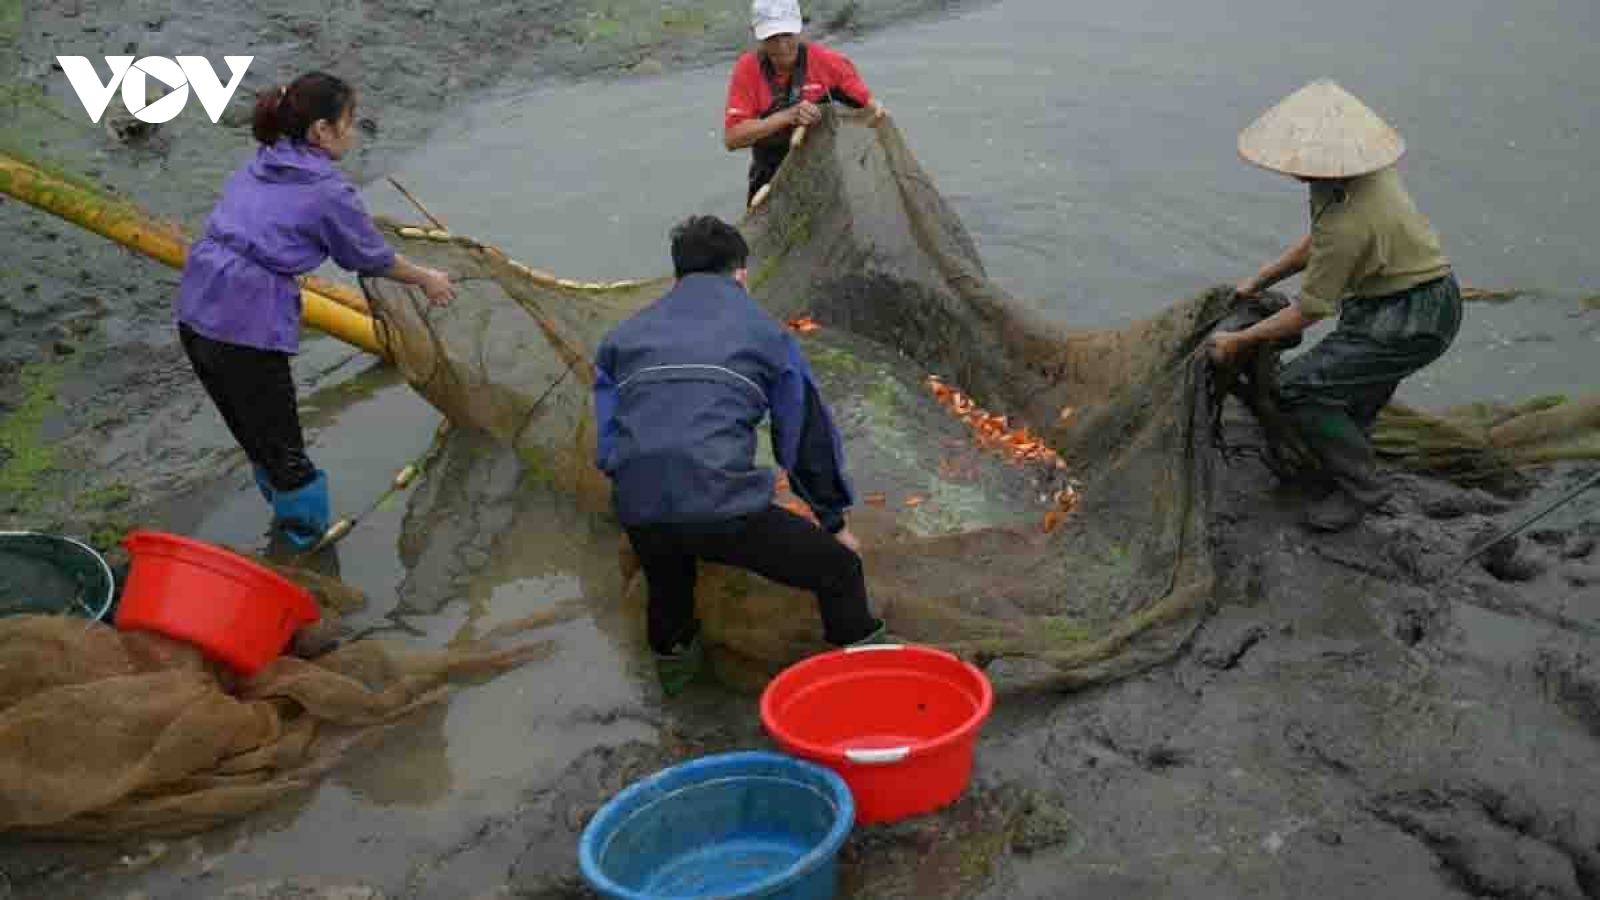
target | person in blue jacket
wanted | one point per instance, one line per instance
(680, 389)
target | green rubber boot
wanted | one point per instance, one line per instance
(679, 669)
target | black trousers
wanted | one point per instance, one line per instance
(254, 391)
(765, 160)
(775, 544)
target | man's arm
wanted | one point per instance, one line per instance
(605, 412)
(1286, 322)
(1328, 258)
(847, 85)
(1292, 262)
(849, 89)
(751, 131)
(742, 124)
(806, 443)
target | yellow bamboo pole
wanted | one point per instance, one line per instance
(342, 294)
(132, 228)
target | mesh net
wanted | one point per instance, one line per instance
(105, 733)
(1032, 492)
(1029, 492)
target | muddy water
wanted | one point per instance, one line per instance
(466, 549)
(1089, 149)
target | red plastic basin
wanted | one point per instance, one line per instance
(236, 611)
(898, 723)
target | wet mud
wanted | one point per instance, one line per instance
(1348, 723)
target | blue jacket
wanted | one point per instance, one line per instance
(680, 389)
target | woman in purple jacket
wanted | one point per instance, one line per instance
(238, 309)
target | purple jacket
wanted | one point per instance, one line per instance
(279, 217)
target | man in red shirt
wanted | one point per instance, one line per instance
(778, 86)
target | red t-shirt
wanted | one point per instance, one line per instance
(826, 70)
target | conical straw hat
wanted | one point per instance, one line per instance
(1321, 131)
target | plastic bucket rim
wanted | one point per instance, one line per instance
(966, 731)
(215, 551)
(609, 816)
(105, 567)
(192, 560)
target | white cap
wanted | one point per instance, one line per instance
(770, 17)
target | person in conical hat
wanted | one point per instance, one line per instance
(1372, 259)
(780, 86)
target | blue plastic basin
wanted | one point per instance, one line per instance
(733, 826)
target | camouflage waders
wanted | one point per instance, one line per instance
(1333, 392)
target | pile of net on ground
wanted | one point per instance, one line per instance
(1491, 445)
(1030, 491)
(105, 733)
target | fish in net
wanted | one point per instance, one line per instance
(1031, 492)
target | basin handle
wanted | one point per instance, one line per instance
(878, 757)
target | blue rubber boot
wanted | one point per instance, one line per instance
(303, 514)
(263, 483)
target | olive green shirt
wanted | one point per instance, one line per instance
(1367, 240)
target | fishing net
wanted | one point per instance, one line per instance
(105, 733)
(1491, 445)
(1030, 492)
